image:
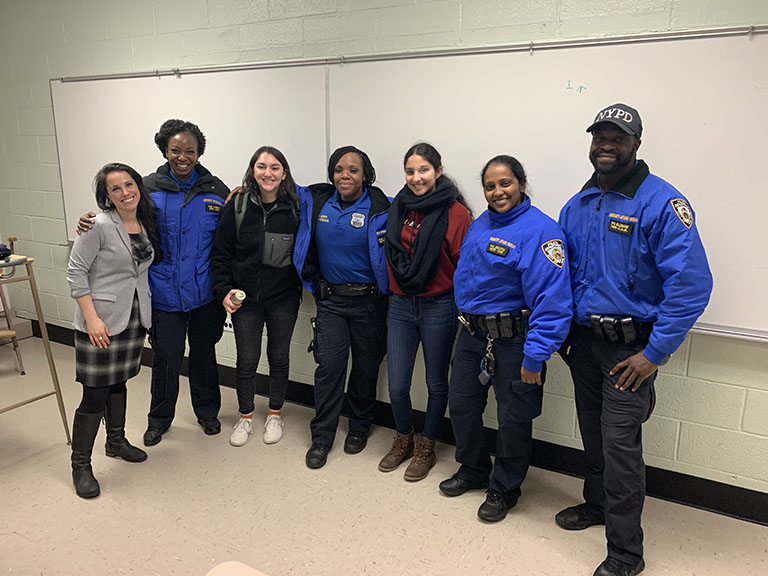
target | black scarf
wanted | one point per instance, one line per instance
(414, 272)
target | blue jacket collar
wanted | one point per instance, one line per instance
(189, 182)
(336, 199)
(507, 217)
(627, 186)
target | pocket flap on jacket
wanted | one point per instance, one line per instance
(104, 296)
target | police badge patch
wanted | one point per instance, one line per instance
(358, 220)
(555, 252)
(683, 211)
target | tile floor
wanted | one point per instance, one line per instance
(197, 502)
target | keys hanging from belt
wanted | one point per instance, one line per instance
(487, 364)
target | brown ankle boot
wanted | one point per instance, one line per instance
(402, 449)
(423, 459)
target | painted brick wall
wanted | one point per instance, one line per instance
(710, 419)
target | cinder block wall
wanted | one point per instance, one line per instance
(713, 396)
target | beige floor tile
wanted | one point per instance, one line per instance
(197, 502)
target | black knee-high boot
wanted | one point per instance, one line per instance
(117, 445)
(84, 431)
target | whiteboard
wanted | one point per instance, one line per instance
(704, 106)
(100, 121)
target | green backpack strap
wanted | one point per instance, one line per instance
(240, 199)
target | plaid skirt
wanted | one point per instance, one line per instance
(117, 362)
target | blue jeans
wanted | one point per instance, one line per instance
(610, 422)
(204, 327)
(248, 323)
(431, 320)
(518, 404)
(358, 323)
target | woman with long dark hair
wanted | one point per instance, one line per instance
(108, 278)
(253, 254)
(426, 226)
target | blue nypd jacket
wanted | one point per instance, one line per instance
(512, 261)
(187, 222)
(635, 251)
(311, 201)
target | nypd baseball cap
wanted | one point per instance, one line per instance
(623, 116)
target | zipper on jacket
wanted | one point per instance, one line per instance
(600, 201)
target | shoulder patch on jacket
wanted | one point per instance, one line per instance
(683, 211)
(554, 251)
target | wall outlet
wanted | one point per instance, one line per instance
(228, 324)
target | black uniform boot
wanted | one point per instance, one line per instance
(84, 431)
(117, 446)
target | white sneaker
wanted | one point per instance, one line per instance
(242, 430)
(273, 429)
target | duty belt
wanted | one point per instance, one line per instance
(352, 289)
(620, 329)
(502, 325)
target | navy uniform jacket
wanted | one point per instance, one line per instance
(518, 260)
(635, 251)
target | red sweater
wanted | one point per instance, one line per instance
(458, 223)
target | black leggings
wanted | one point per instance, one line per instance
(95, 399)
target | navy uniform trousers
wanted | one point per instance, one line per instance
(344, 323)
(204, 327)
(518, 404)
(611, 421)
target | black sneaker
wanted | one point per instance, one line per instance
(580, 517)
(317, 456)
(355, 442)
(153, 436)
(614, 567)
(455, 486)
(495, 507)
(211, 426)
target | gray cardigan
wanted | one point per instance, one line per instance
(101, 264)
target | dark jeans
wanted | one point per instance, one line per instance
(433, 320)
(611, 421)
(358, 323)
(248, 322)
(204, 327)
(518, 404)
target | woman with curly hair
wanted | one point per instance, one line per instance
(189, 200)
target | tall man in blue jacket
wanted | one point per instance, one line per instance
(640, 280)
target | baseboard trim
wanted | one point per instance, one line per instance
(734, 501)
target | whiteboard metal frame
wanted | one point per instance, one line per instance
(747, 31)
